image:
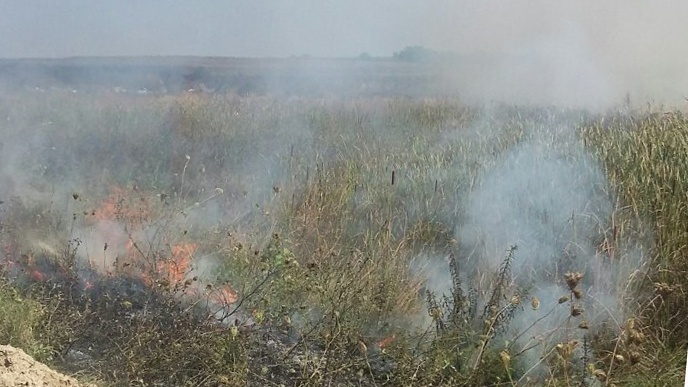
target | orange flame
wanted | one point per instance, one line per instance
(177, 267)
(386, 341)
(37, 275)
(147, 279)
(126, 205)
(131, 208)
(225, 295)
(107, 210)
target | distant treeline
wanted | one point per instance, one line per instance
(412, 71)
(423, 54)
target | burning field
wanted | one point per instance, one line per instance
(224, 240)
(117, 225)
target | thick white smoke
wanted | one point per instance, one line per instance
(549, 198)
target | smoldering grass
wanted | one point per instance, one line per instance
(340, 272)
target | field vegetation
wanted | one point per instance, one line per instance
(224, 240)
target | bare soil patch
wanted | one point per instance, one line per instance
(19, 369)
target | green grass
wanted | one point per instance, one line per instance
(19, 319)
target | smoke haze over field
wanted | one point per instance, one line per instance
(575, 53)
(328, 161)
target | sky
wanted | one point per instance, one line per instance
(278, 28)
(615, 45)
(250, 28)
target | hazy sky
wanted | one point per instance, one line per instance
(57, 28)
(600, 47)
(49, 28)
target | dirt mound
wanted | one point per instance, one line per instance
(19, 369)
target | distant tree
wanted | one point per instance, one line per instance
(421, 54)
(365, 56)
(415, 54)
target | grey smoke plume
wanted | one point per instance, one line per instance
(542, 202)
(550, 199)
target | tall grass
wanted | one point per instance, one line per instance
(329, 208)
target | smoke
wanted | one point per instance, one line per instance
(548, 197)
(124, 213)
(540, 202)
(583, 53)
(545, 194)
(555, 70)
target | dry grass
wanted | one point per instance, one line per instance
(316, 213)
